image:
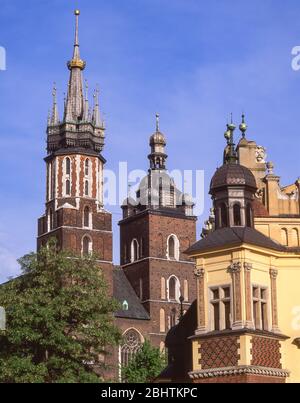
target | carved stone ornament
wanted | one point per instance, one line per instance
(260, 155)
(235, 267)
(248, 266)
(273, 273)
(199, 272)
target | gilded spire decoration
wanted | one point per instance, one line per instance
(54, 117)
(243, 126)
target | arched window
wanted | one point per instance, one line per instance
(163, 288)
(86, 188)
(237, 215)
(86, 217)
(68, 166)
(162, 321)
(50, 220)
(249, 216)
(132, 342)
(186, 291)
(68, 187)
(172, 288)
(173, 317)
(295, 237)
(284, 237)
(171, 248)
(134, 250)
(87, 246)
(87, 167)
(173, 252)
(223, 215)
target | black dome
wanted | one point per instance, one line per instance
(232, 175)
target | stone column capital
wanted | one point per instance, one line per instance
(199, 272)
(235, 267)
(273, 273)
(248, 266)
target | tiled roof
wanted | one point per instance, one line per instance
(236, 236)
(123, 291)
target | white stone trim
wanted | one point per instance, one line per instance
(251, 370)
(159, 258)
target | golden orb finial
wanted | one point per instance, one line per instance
(243, 126)
(77, 12)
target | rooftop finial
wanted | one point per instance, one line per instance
(157, 122)
(96, 113)
(77, 14)
(243, 126)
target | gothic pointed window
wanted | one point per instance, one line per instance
(173, 248)
(50, 220)
(87, 167)
(86, 217)
(86, 188)
(68, 187)
(223, 215)
(68, 166)
(86, 245)
(173, 289)
(134, 250)
(284, 237)
(237, 215)
(132, 343)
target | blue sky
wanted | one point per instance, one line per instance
(193, 61)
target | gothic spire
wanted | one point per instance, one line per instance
(55, 116)
(96, 112)
(75, 99)
(86, 116)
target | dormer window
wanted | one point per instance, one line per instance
(125, 306)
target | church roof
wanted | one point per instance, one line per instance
(123, 291)
(236, 236)
(232, 175)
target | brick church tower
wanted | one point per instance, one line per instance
(158, 226)
(74, 198)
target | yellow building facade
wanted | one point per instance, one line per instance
(248, 278)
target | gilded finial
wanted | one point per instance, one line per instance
(77, 12)
(157, 122)
(243, 126)
(231, 126)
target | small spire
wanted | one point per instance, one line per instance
(157, 122)
(86, 114)
(96, 113)
(49, 118)
(55, 116)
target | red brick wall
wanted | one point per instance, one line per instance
(265, 352)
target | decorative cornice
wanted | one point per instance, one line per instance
(199, 272)
(273, 273)
(229, 371)
(235, 267)
(248, 266)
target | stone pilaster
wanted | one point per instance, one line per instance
(235, 271)
(274, 308)
(248, 295)
(201, 306)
